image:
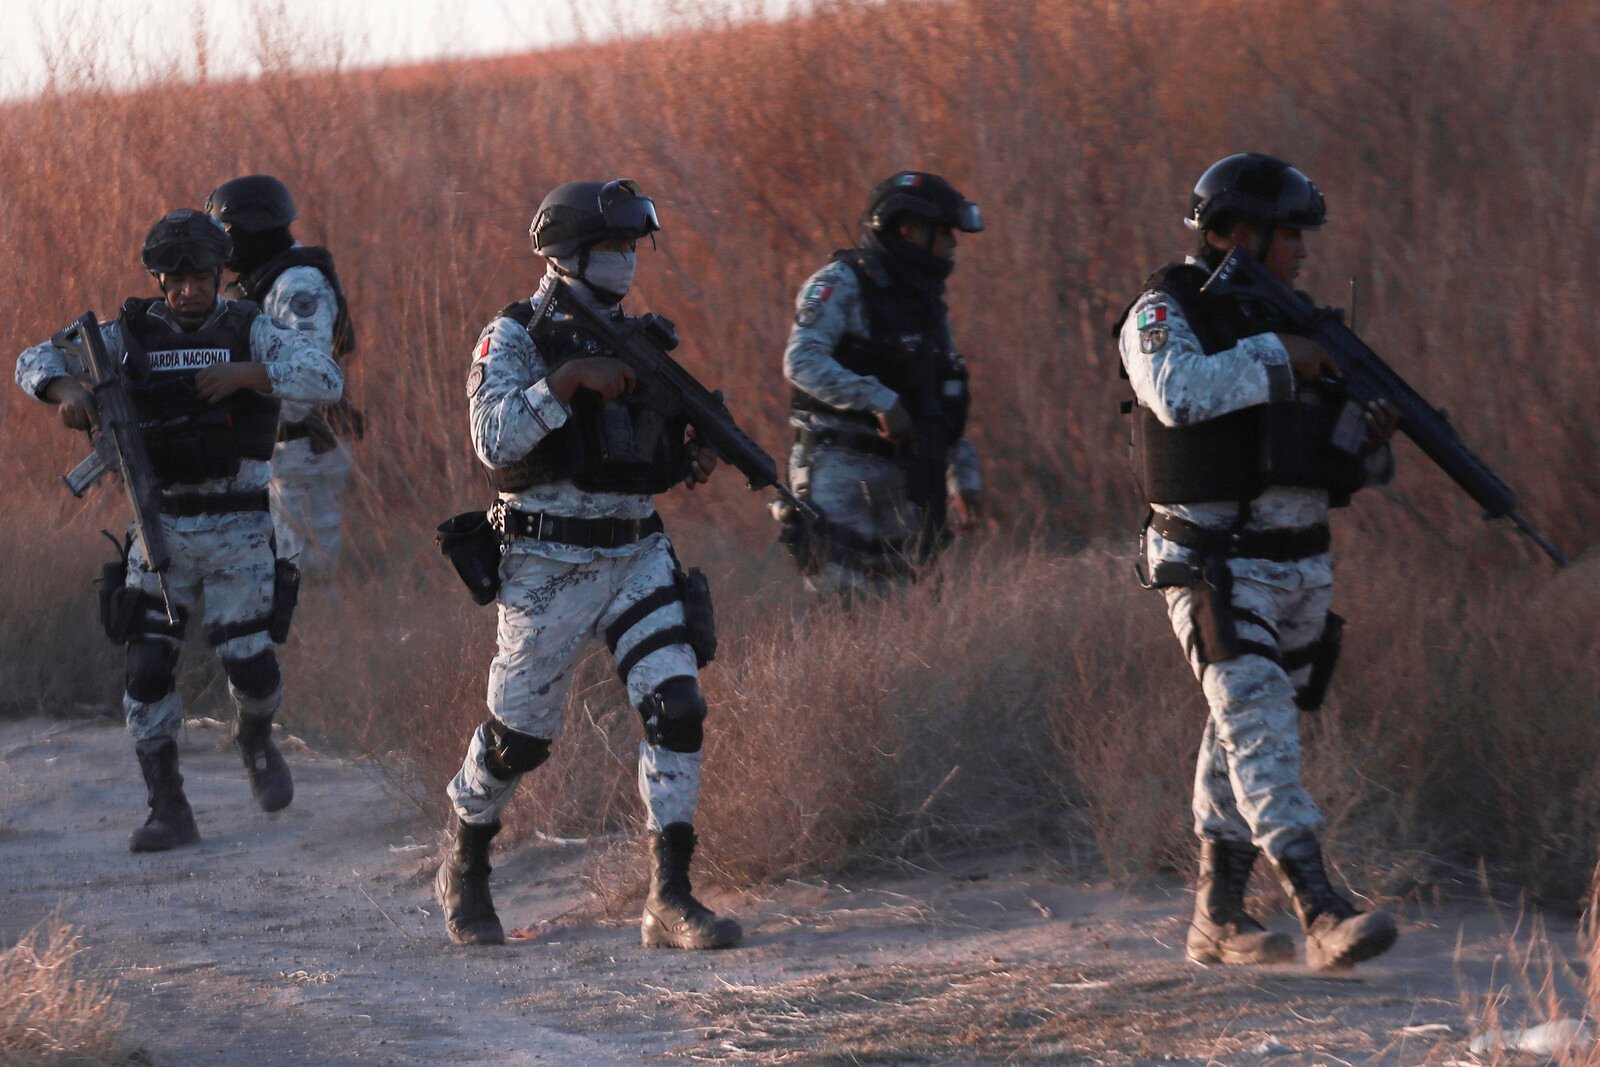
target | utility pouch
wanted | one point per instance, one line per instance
(1211, 606)
(473, 548)
(698, 615)
(285, 595)
(1325, 656)
(119, 605)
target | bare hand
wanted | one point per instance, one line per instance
(894, 424)
(1309, 360)
(966, 510)
(77, 403)
(702, 461)
(221, 380)
(1382, 421)
(606, 375)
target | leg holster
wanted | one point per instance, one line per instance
(1216, 620)
(473, 548)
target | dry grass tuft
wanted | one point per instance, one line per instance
(53, 1012)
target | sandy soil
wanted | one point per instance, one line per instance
(311, 937)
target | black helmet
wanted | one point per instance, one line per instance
(253, 203)
(1256, 188)
(577, 214)
(926, 196)
(186, 241)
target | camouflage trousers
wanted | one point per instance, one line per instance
(862, 498)
(1247, 781)
(548, 611)
(308, 505)
(229, 559)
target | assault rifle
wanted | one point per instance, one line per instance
(118, 445)
(665, 388)
(1365, 378)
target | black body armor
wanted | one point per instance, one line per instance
(1313, 441)
(256, 284)
(617, 447)
(188, 439)
(908, 349)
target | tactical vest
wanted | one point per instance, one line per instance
(1312, 441)
(258, 283)
(620, 447)
(188, 439)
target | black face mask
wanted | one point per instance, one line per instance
(911, 263)
(251, 250)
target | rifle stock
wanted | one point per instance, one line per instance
(644, 349)
(1366, 377)
(118, 446)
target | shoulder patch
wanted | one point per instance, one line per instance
(303, 304)
(1151, 340)
(809, 313)
(818, 292)
(1152, 316)
(475, 378)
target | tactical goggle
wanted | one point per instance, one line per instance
(968, 218)
(625, 209)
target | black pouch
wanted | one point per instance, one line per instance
(119, 605)
(1325, 657)
(285, 595)
(698, 615)
(473, 548)
(1211, 602)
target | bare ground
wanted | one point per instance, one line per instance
(311, 936)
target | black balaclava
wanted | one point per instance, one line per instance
(251, 250)
(910, 263)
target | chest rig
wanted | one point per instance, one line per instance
(617, 447)
(189, 440)
(908, 349)
(1313, 441)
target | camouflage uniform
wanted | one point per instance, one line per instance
(554, 597)
(1247, 784)
(227, 556)
(861, 493)
(307, 485)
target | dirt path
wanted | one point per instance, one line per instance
(311, 937)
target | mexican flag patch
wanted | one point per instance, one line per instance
(1152, 316)
(818, 291)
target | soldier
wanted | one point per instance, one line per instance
(584, 555)
(879, 398)
(1242, 441)
(206, 376)
(298, 286)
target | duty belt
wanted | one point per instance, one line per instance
(568, 530)
(186, 504)
(1280, 546)
(854, 440)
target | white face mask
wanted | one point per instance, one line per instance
(611, 272)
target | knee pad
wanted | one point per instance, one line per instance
(674, 715)
(257, 676)
(510, 753)
(151, 665)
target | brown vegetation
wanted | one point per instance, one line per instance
(51, 1012)
(1031, 690)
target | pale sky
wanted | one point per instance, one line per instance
(131, 41)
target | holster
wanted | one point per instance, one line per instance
(119, 605)
(1324, 657)
(1211, 604)
(285, 595)
(698, 615)
(473, 548)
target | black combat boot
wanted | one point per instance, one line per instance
(269, 774)
(673, 918)
(463, 887)
(1221, 930)
(171, 821)
(1337, 933)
